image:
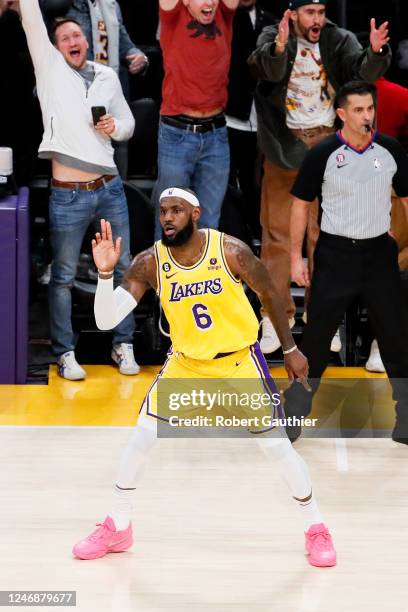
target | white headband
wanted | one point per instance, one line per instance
(176, 192)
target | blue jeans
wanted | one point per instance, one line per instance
(71, 212)
(198, 161)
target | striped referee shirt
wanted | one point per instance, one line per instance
(354, 186)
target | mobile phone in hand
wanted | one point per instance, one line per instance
(97, 113)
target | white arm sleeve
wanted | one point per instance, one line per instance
(110, 306)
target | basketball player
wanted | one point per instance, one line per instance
(198, 275)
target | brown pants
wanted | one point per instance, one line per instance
(276, 203)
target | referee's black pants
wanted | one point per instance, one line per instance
(346, 269)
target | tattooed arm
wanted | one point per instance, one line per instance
(244, 265)
(141, 274)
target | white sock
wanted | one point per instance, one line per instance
(294, 471)
(131, 467)
(121, 507)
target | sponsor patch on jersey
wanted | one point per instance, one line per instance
(214, 265)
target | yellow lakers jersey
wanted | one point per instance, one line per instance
(205, 304)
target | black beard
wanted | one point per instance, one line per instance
(308, 38)
(181, 237)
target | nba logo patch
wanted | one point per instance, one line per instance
(340, 158)
(377, 163)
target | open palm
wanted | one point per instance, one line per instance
(105, 252)
(378, 37)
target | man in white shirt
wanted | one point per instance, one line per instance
(85, 184)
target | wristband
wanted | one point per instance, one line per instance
(278, 43)
(294, 348)
(105, 274)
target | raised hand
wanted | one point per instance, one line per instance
(105, 253)
(378, 37)
(283, 28)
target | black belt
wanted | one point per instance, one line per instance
(195, 124)
(343, 240)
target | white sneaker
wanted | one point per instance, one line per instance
(335, 346)
(122, 354)
(69, 368)
(269, 341)
(374, 362)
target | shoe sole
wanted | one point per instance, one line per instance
(317, 564)
(371, 369)
(114, 549)
(114, 359)
(72, 379)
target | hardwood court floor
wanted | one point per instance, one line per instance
(215, 530)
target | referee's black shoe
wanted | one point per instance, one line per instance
(298, 403)
(293, 432)
(400, 432)
(397, 438)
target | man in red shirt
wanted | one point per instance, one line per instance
(195, 36)
(392, 119)
(392, 110)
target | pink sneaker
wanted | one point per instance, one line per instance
(319, 546)
(104, 540)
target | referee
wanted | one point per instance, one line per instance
(352, 173)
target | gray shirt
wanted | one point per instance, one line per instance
(354, 187)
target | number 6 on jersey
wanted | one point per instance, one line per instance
(202, 320)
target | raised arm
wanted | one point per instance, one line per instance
(269, 61)
(39, 44)
(112, 306)
(243, 264)
(365, 64)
